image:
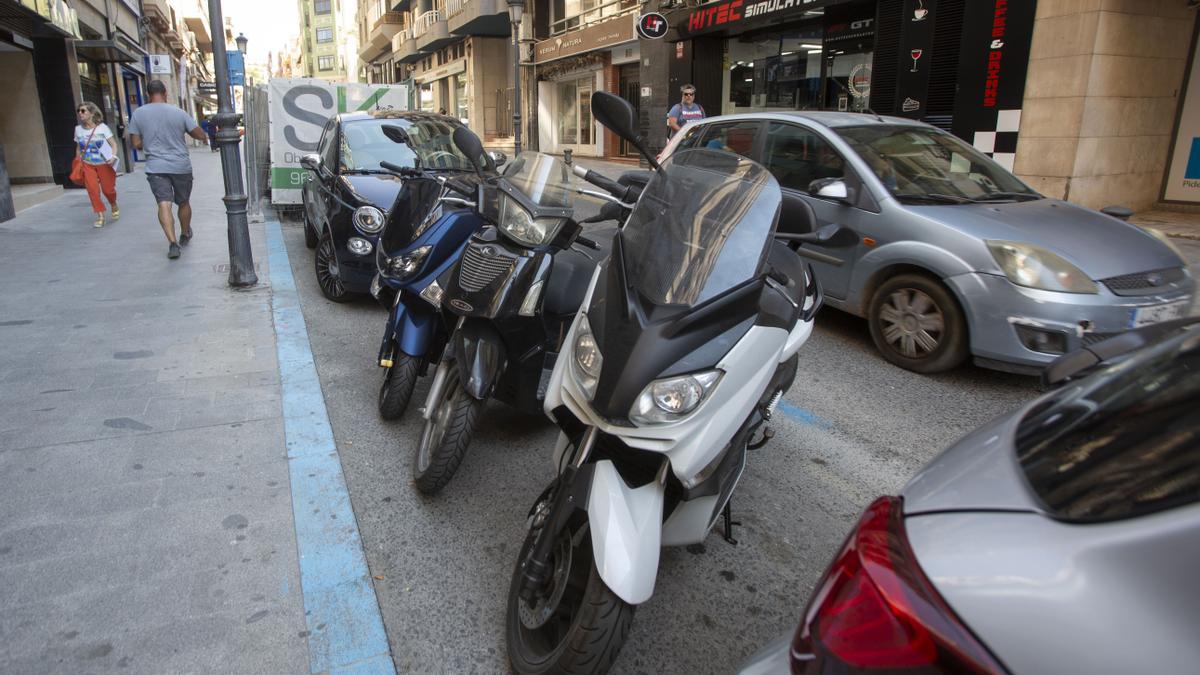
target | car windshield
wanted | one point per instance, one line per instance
(364, 145)
(1122, 443)
(545, 179)
(923, 164)
(701, 229)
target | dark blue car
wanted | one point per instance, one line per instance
(347, 195)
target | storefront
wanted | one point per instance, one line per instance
(1182, 181)
(445, 88)
(569, 69)
(956, 64)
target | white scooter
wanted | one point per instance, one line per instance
(686, 340)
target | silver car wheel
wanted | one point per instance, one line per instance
(912, 323)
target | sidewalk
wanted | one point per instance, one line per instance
(1173, 224)
(146, 492)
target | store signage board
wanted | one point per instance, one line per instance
(161, 64)
(720, 16)
(652, 26)
(916, 56)
(459, 66)
(299, 109)
(607, 34)
(237, 68)
(1183, 173)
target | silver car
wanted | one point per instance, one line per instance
(1062, 538)
(957, 256)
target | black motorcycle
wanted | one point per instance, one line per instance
(511, 298)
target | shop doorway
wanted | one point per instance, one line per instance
(848, 80)
(575, 126)
(629, 89)
(133, 101)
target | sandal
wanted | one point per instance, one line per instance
(116, 213)
(99, 220)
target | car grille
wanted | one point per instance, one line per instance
(478, 270)
(1090, 339)
(1140, 283)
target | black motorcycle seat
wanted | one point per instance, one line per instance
(568, 282)
(787, 262)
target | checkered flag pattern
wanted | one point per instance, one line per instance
(1000, 141)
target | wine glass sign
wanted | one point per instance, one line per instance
(916, 54)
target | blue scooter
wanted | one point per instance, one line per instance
(426, 233)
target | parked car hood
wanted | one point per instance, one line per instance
(978, 473)
(373, 189)
(1101, 246)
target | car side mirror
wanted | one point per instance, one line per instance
(396, 134)
(498, 158)
(312, 162)
(830, 188)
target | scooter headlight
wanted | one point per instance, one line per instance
(523, 228)
(406, 264)
(368, 219)
(586, 357)
(673, 398)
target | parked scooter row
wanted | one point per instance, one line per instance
(660, 353)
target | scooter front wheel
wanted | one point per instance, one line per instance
(446, 435)
(576, 624)
(398, 383)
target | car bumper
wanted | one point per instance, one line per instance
(1002, 317)
(356, 270)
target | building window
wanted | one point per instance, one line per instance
(325, 62)
(322, 6)
(324, 35)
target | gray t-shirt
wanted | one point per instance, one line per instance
(162, 127)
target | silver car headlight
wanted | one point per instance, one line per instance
(673, 398)
(518, 224)
(1034, 267)
(406, 264)
(368, 219)
(1161, 236)
(586, 358)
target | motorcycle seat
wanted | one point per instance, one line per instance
(568, 282)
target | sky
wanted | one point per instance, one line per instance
(269, 25)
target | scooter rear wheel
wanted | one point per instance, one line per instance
(398, 384)
(578, 625)
(446, 436)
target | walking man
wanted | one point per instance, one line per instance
(158, 128)
(687, 110)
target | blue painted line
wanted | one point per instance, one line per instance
(345, 627)
(805, 416)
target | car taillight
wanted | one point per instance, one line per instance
(875, 610)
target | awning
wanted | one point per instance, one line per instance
(105, 51)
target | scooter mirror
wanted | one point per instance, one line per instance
(469, 144)
(618, 115)
(396, 134)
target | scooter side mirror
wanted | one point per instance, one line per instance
(618, 115)
(396, 134)
(312, 162)
(470, 145)
(498, 158)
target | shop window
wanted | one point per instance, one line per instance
(780, 69)
(798, 156)
(325, 63)
(322, 6)
(575, 112)
(324, 35)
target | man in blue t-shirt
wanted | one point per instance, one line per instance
(685, 111)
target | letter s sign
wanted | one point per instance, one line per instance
(317, 119)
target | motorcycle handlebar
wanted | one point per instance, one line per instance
(603, 182)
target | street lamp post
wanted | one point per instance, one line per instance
(241, 258)
(516, 9)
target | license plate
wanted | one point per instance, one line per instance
(1144, 316)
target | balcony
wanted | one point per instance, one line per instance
(477, 17)
(159, 13)
(404, 48)
(195, 19)
(431, 32)
(384, 26)
(593, 16)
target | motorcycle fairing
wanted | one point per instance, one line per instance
(626, 530)
(479, 355)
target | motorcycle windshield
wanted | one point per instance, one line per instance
(701, 229)
(546, 180)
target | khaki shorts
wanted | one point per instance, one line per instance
(170, 187)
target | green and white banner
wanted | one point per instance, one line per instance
(299, 110)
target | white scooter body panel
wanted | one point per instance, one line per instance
(626, 527)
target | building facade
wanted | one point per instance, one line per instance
(322, 54)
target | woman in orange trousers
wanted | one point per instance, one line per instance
(96, 146)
